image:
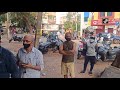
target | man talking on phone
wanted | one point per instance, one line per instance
(30, 59)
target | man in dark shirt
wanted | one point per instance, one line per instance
(67, 49)
(8, 66)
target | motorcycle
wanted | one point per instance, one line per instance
(107, 53)
(43, 47)
(56, 45)
(16, 38)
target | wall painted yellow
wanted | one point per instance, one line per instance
(95, 15)
(117, 15)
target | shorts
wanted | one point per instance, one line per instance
(68, 68)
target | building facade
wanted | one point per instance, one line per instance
(111, 26)
(49, 21)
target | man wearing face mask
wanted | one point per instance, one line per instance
(67, 49)
(91, 48)
(30, 59)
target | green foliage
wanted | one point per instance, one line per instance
(3, 18)
(70, 23)
(22, 18)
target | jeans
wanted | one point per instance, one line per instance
(92, 60)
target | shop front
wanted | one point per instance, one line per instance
(100, 26)
(108, 27)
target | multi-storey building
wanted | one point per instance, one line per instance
(111, 26)
(49, 21)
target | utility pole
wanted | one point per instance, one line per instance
(8, 23)
(38, 29)
(76, 21)
(82, 23)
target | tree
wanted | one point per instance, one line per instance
(3, 18)
(71, 21)
(23, 19)
(37, 35)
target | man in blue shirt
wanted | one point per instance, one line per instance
(8, 66)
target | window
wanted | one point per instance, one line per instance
(102, 14)
(109, 13)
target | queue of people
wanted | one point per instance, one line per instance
(29, 62)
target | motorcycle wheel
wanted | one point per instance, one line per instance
(55, 49)
(45, 51)
(103, 56)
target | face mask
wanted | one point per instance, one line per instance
(91, 40)
(26, 46)
(68, 39)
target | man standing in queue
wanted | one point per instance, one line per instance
(67, 49)
(30, 59)
(91, 49)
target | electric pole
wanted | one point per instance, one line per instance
(76, 21)
(8, 23)
(81, 23)
(38, 29)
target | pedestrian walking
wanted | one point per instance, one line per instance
(91, 49)
(30, 59)
(8, 66)
(67, 49)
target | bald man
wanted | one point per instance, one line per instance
(30, 59)
(67, 49)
